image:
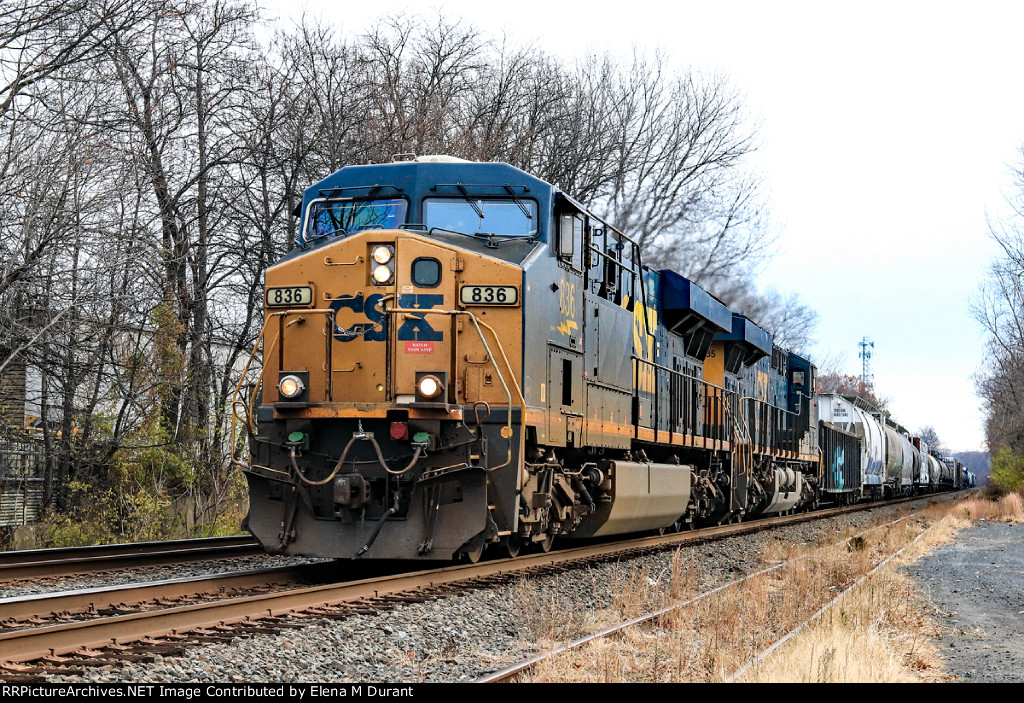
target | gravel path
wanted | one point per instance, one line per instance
(461, 637)
(977, 586)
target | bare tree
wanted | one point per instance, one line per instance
(787, 318)
(415, 78)
(845, 384)
(39, 38)
(173, 93)
(931, 438)
(999, 307)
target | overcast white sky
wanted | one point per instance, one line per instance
(887, 133)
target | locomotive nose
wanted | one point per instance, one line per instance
(423, 341)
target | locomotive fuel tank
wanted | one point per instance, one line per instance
(641, 496)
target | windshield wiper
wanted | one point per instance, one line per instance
(517, 201)
(485, 237)
(489, 238)
(450, 231)
(465, 194)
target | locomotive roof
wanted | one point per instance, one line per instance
(746, 332)
(423, 176)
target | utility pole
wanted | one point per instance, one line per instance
(866, 377)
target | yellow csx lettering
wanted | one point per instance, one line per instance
(643, 341)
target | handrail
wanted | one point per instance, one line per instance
(721, 395)
(477, 324)
(738, 436)
(501, 377)
(710, 390)
(248, 421)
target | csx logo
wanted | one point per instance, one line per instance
(414, 329)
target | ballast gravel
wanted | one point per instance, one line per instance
(461, 637)
(160, 572)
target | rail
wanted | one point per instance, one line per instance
(510, 673)
(166, 619)
(66, 561)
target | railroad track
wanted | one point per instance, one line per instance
(37, 564)
(80, 629)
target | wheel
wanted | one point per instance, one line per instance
(511, 545)
(545, 544)
(474, 552)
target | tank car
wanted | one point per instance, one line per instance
(920, 463)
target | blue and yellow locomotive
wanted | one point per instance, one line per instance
(458, 356)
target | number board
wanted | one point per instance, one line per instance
(489, 295)
(289, 296)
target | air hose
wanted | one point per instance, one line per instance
(376, 530)
(341, 460)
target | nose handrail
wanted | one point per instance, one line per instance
(248, 420)
(477, 323)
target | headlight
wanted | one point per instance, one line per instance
(430, 386)
(290, 387)
(381, 255)
(382, 275)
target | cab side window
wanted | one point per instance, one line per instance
(570, 240)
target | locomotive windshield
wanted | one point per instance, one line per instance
(339, 217)
(499, 217)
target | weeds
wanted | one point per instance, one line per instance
(877, 632)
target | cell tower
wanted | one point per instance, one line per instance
(866, 377)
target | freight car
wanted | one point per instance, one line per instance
(459, 356)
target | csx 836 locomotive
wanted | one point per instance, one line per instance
(458, 356)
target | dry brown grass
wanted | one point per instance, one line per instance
(879, 631)
(1008, 508)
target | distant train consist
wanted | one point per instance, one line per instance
(458, 356)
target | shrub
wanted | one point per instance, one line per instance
(1007, 473)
